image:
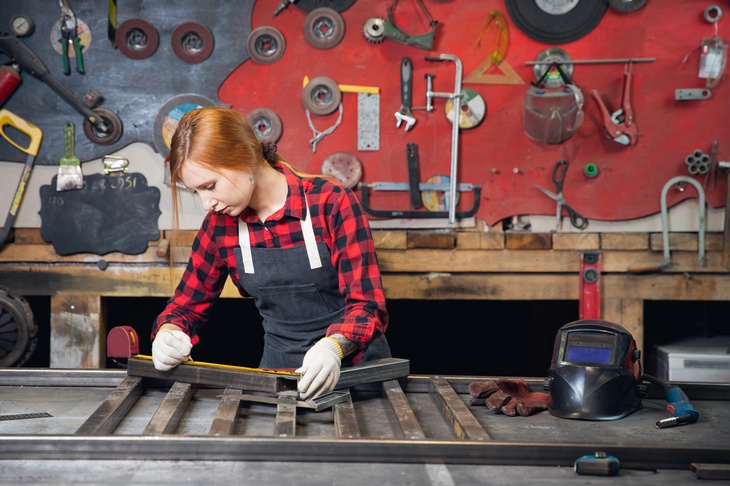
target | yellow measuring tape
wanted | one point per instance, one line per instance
(227, 367)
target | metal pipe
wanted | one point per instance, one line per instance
(592, 61)
(665, 218)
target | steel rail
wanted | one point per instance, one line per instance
(288, 449)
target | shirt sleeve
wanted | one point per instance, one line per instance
(353, 254)
(201, 285)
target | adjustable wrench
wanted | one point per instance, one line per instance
(404, 114)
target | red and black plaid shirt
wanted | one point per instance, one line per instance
(338, 219)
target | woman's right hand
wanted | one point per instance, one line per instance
(170, 348)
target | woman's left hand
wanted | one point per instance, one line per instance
(320, 369)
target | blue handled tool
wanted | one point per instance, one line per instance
(678, 405)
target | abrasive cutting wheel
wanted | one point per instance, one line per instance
(266, 44)
(113, 126)
(18, 330)
(321, 95)
(324, 28)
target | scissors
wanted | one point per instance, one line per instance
(576, 219)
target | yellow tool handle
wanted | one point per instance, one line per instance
(350, 88)
(34, 133)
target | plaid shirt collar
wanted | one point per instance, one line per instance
(295, 204)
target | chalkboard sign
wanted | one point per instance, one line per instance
(111, 213)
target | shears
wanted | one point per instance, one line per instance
(620, 125)
(576, 219)
(69, 36)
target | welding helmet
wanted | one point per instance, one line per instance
(595, 372)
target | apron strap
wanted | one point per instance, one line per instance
(244, 242)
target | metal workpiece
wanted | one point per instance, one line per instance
(700, 216)
(416, 419)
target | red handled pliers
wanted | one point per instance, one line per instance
(620, 125)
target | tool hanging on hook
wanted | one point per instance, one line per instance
(620, 125)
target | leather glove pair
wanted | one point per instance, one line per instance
(170, 348)
(320, 369)
(511, 397)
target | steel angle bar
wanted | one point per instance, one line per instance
(112, 410)
(403, 414)
(285, 424)
(171, 410)
(454, 411)
(60, 377)
(316, 404)
(225, 377)
(346, 426)
(373, 371)
(298, 449)
(710, 471)
(224, 421)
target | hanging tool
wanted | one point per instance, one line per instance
(590, 285)
(69, 169)
(70, 38)
(404, 114)
(576, 219)
(107, 128)
(35, 135)
(501, 38)
(620, 125)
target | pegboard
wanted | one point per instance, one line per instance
(496, 154)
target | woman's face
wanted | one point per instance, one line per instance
(224, 191)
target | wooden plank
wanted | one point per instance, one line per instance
(405, 418)
(624, 241)
(346, 426)
(685, 242)
(171, 410)
(393, 240)
(114, 408)
(519, 240)
(443, 239)
(224, 422)
(455, 412)
(477, 240)
(576, 241)
(78, 337)
(285, 423)
(628, 313)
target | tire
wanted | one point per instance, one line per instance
(18, 330)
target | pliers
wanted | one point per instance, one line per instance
(620, 125)
(69, 36)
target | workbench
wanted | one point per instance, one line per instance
(466, 264)
(412, 430)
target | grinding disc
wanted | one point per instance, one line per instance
(324, 28)
(170, 114)
(192, 42)
(344, 167)
(437, 200)
(625, 6)
(473, 109)
(321, 95)
(266, 124)
(309, 5)
(137, 39)
(556, 21)
(266, 44)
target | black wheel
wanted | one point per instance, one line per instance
(266, 124)
(309, 5)
(18, 330)
(556, 21)
(137, 39)
(321, 95)
(113, 128)
(266, 44)
(324, 28)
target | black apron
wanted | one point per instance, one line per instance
(297, 293)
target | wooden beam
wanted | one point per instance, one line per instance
(77, 331)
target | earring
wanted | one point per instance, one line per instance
(250, 179)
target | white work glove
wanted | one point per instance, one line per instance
(170, 348)
(320, 369)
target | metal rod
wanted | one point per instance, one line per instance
(593, 61)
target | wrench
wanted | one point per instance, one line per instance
(404, 114)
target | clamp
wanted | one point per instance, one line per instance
(69, 36)
(620, 125)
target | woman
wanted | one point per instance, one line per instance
(300, 245)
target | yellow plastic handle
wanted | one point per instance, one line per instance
(35, 133)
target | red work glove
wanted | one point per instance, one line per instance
(511, 397)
